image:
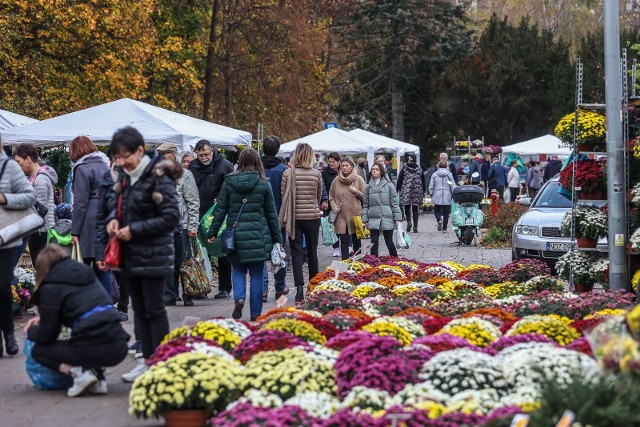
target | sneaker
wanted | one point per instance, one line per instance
(139, 369)
(82, 381)
(189, 302)
(336, 252)
(135, 347)
(222, 295)
(123, 316)
(444, 230)
(99, 388)
(237, 310)
(440, 225)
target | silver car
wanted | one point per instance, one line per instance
(537, 234)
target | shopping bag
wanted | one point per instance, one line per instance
(192, 274)
(112, 254)
(329, 236)
(278, 256)
(213, 249)
(207, 262)
(41, 376)
(403, 241)
(75, 253)
(361, 231)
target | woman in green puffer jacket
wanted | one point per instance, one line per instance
(380, 210)
(257, 228)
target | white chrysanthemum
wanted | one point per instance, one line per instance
(233, 325)
(413, 394)
(367, 399)
(211, 350)
(475, 401)
(323, 354)
(258, 398)
(318, 404)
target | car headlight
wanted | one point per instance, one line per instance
(527, 229)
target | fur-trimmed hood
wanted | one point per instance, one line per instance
(170, 168)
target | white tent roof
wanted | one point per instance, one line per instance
(328, 140)
(99, 123)
(546, 144)
(384, 143)
(10, 120)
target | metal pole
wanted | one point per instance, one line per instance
(618, 268)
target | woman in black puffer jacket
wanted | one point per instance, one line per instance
(69, 294)
(150, 215)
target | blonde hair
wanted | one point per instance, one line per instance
(47, 258)
(304, 157)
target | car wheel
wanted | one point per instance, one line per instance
(514, 255)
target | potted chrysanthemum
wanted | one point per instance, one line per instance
(591, 131)
(590, 225)
(581, 264)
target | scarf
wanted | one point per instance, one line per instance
(137, 172)
(287, 214)
(349, 179)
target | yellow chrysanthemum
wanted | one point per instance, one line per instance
(298, 328)
(607, 312)
(389, 329)
(551, 327)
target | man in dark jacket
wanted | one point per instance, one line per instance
(552, 168)
(484, 171)
(209, 170)
(273, 170)
(497, 177)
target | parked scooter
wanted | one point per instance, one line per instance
(466, 216)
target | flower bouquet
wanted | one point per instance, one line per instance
(589, 178)
(185, 381)
(591, 130)
(590, 223)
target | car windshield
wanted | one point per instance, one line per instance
(550, 198)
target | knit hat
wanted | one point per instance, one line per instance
(62, 211)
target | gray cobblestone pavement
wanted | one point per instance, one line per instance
(21, 405)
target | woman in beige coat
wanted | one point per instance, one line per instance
(345, 196)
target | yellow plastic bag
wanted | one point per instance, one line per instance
(361, 231)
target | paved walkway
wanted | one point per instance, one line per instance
(23, 406)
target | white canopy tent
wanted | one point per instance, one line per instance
(328, 140)
(546, 144)
(10, 120)
(99, 123)
(384, 144)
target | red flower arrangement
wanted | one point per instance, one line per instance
(590, 175)
(266, 340)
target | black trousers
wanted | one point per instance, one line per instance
(442, 213)
(224, 274)
(6, 299)
(345, 241)
(147, 298)
(123, 304)
(513, 192)
(89, 355)
(388, 240)
(408, 211)
(171, 282)
(307, 229)
(37, 242)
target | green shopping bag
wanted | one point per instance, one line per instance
(213, 249)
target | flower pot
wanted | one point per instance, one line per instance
(186, 418)
(584, 147)
(590, 195)
(583, 287)
(586, 243)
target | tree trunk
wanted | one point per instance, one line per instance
(397, 95)
(208, 75)
(228, 92)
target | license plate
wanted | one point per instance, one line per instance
(558, 246)
(468, 221)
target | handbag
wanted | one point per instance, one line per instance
(17, 223)
(193, 276)
(333, 216)
(361, 231)
(329, 236)
(113, 251)
(41, 209)
(228, 236)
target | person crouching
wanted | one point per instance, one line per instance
(69, 294)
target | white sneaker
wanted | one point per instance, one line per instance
(100, 387)
(336, 252)
(140, 369)
(82, 381)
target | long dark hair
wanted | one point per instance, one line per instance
(249, 161)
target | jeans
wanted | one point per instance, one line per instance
(171, 282)
(239, 277)
(442, 213)
(103, 276)
(345, 239)
(388, 240)
(308, 230)
(150, 314)
(408, 210)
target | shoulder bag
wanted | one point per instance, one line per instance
(228, 236)
(333, 215)
(17, 223)
(113, 251)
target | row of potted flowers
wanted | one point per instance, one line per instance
(441, 344)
